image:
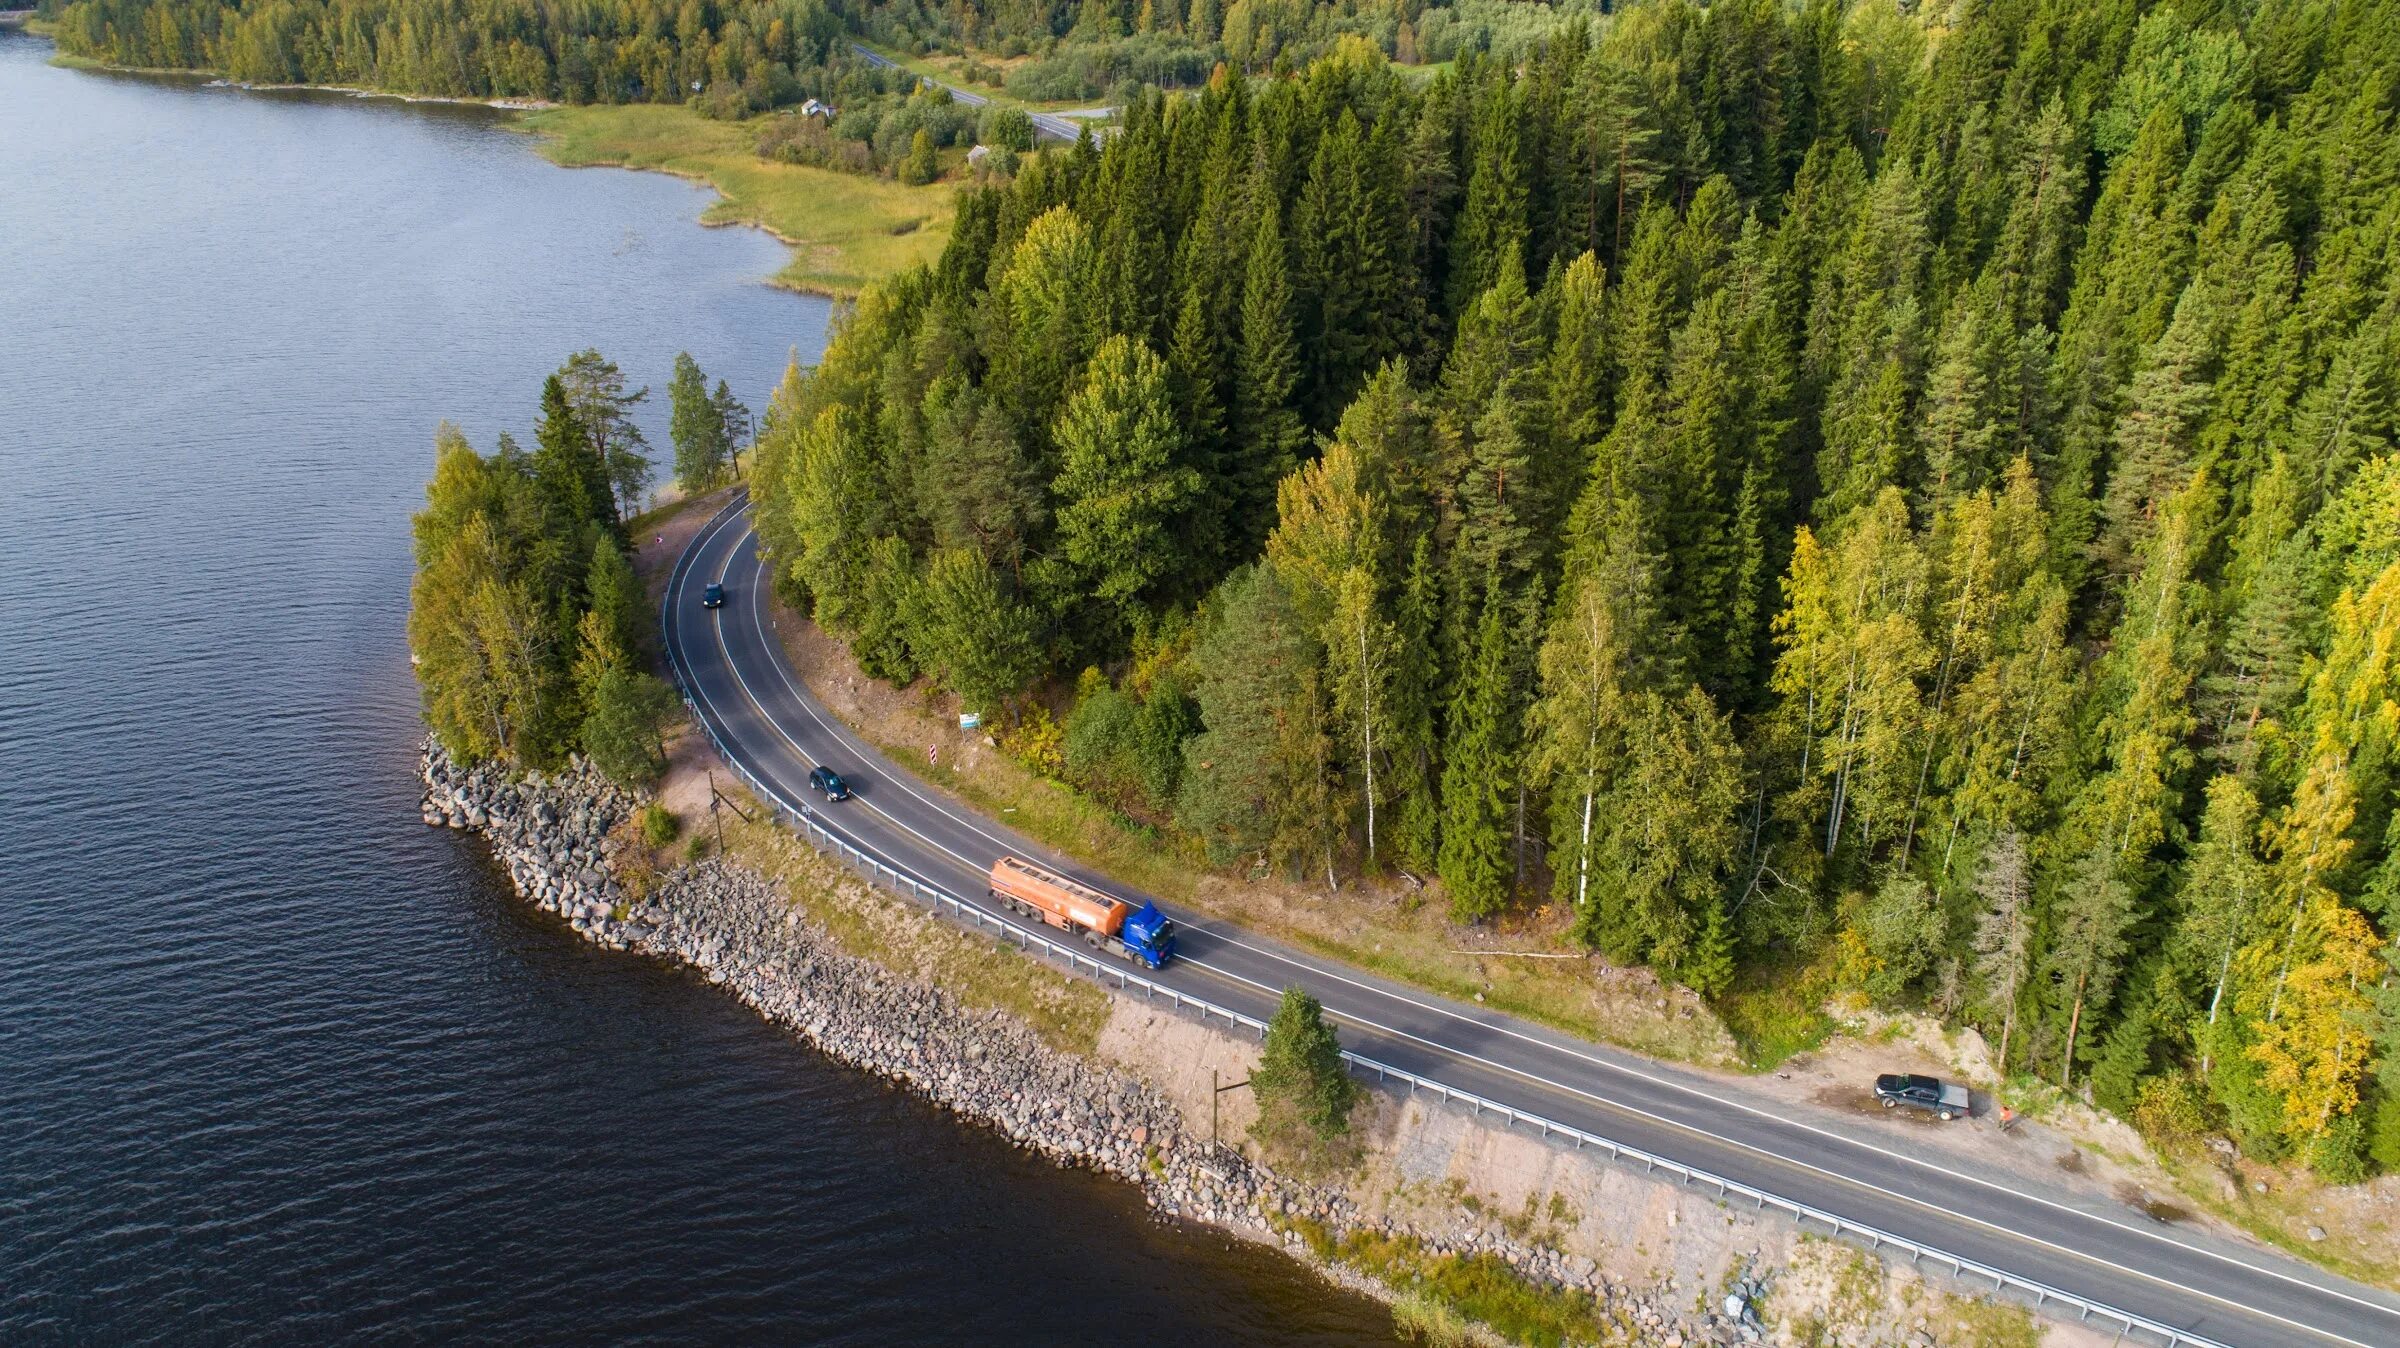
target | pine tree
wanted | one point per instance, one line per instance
(2085, 943)
(2003, 943)
(595, 389)
(735, 420)
(1622, 137)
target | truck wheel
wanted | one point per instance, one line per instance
(1891, 1104)
(1947, 1116)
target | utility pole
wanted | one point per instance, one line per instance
(716, 798)
(1215, 1090)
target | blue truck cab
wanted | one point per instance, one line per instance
(1149, 935)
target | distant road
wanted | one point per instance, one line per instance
(2211, 1289)
(1044, 123)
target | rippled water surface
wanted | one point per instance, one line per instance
(276, 1061)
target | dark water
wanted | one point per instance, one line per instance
(276, 1061)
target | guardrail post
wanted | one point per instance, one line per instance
(876, 871)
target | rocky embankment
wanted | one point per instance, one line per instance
(728, 922)
(549, 831)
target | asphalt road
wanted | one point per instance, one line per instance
(1044, 123)
(739, 679)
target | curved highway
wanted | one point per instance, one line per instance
(1044, 123)
(737, 677)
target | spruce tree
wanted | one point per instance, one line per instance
(2154, 438)
(1122, 487)
(1492, 224)
(696, 424)
(1300, 1068)
(1413, 746)
(1266, 432)
(1479, 769)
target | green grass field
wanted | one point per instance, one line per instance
(845, 229)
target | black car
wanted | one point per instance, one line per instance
(828, 783)
(713, 596)
(1942, 1099)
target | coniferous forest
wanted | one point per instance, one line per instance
(1906, 494)
(737, 57)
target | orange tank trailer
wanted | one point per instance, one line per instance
(1055, 899)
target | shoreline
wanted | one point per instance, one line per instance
(878, 224)
(719, 918)
(777, 281)
(1455, 1223)
(208, 77)
(358, 91)
(843, 231)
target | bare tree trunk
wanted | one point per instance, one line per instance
(1520, 882)
(1841, 781)
(2066, 1065)
(2224, 967)
(1366, 729)
(1941, 694)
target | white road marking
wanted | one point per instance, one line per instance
(806, 705)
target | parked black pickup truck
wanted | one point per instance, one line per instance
(1942, 1099)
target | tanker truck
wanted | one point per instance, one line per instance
(1103, 921)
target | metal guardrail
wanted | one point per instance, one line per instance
(877, 871)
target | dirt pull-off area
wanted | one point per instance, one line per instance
(1672, 1254)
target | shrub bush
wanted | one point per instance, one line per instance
(2339, 1154)
(658, 824)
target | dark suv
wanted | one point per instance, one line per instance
(1932, 1094)
(828, 783)
(713, 596)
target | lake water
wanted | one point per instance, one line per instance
(276, 1061)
